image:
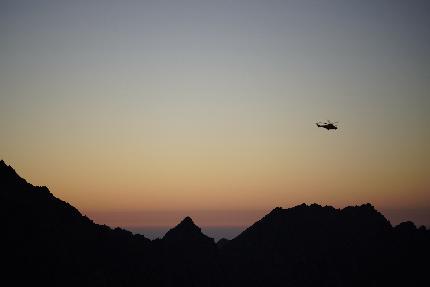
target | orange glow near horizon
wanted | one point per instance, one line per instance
(225, 198)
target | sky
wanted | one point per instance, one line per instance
(140, 113)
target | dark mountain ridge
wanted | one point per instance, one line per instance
(47, 241)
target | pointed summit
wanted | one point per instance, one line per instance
(187, 221)
(186, 230)
(6, 170)
(9, 177)
(187, 225)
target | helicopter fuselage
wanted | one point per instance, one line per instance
(327, 126)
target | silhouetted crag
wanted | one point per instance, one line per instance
(45, 241)
(190, 257)
(310, 246)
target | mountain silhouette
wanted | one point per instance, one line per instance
(309, 246)
(187, 232)
(190, 257)
(46, 241)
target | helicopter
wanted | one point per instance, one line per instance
(328, 125)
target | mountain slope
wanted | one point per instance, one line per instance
(50, 241)
(320, 246)
(189, 257)
(46, 241)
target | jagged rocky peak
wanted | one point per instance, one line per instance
(314, 219)
(187, 225)
(186, 230)
(187, 221)
(6, 169)
(303, 208)
(11, 181)
(365, 212)
(8, 176)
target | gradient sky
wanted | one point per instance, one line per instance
(143, 112)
